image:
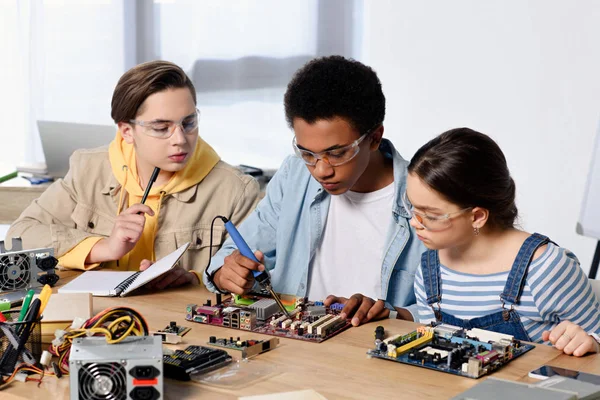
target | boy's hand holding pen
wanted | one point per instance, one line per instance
(126, 231)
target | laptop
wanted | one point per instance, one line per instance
(61, 139)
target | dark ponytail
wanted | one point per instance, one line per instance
(469, 169)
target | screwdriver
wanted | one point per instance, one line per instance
(262, 277)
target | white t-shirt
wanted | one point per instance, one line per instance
(348, 261)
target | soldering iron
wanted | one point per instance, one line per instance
(262, 277)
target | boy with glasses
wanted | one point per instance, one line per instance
(332, 226)
(93, 216)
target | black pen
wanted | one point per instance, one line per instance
(150, 182)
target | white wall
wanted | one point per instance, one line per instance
(84, 48)
(61, 60)
(525, 72)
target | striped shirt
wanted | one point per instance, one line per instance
(556, 289)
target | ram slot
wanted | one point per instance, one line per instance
(312, 327)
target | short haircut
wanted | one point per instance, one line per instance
(334, 86)
(143, 80)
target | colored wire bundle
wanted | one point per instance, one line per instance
(114, 323)
(28, 368)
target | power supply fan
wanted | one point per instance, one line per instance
(15, 272)
(102, 381)
(25, 269)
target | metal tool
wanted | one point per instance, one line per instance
(262, 277)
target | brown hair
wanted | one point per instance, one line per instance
(469, 169)
(143, 80)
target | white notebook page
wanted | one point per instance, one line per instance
(104, 283)
(157, 269)
(98, 283)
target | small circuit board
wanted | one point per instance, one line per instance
(248, 347)
(309, 321)
(446, 348)
(172, 334)
(194, 359)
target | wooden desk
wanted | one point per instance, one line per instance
(15, 195)
(337, 368)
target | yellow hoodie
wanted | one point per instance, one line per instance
(124, 167)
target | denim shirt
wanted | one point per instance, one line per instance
(288, 223)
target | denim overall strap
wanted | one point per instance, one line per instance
(516, 277)
(430, 268)
(506, 322)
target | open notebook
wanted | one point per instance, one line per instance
(121, 283)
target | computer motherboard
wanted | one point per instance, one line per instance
(446, 348)
(310, 321)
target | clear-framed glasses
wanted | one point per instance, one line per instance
(432, 223)
(335, 157)
(164, 129)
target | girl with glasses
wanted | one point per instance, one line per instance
(480, 269)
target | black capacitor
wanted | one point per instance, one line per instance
(300, 331)
(218, 299)
(212, 339)
(379, 332)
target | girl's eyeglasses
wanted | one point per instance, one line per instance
(432, 223)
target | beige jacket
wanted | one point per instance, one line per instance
(84, 204)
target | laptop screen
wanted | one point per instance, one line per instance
(61, 139)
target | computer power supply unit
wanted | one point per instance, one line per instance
(131, 369)
(25, 269)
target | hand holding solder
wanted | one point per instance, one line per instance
(261, 275)
(236, 274)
